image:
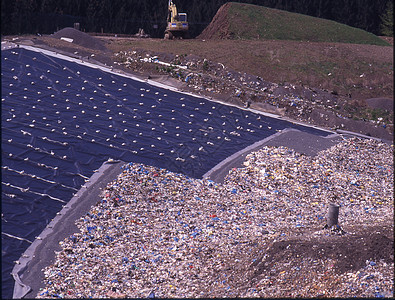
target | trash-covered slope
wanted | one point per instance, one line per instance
(156, 233)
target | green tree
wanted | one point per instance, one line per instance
(22, 16)
(387, 20)
(6, 11)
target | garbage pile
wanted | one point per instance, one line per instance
(160, 234)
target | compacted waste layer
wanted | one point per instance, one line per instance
(157, 233)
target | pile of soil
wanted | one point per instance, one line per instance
(350, 251)
(219, 26)
(80, 38)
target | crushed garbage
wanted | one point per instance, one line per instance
(156, 233)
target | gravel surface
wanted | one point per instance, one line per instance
(260, 234)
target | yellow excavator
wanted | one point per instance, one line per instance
(177, 24)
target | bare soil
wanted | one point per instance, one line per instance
(80, 38)
(296, 259)
(219, 25)
(349, 252)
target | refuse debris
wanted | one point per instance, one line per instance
(183, 237)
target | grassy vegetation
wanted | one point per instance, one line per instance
(248, 21)
(366, 113)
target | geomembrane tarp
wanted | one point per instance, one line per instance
(61, 120)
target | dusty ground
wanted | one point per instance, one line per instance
(327, 84)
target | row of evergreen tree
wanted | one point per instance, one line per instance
(127, 16)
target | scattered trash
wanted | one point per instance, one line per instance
(183, 237)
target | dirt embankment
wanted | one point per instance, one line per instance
(218, 28)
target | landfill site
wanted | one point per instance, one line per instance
(188, 177)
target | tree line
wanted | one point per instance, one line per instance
(127, 16)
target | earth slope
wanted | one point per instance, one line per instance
(246, 21)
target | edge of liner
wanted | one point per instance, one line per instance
(21, 289)
(246, 149)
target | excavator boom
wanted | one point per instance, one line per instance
(172, 12)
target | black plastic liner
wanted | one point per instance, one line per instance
(61, 120)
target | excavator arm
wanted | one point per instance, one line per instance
(173, 15)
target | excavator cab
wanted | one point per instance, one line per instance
(182, 17)
(177, 23)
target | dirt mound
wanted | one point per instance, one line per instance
(349, 256)
(244, 21)
(219, 26)
(80, 38)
